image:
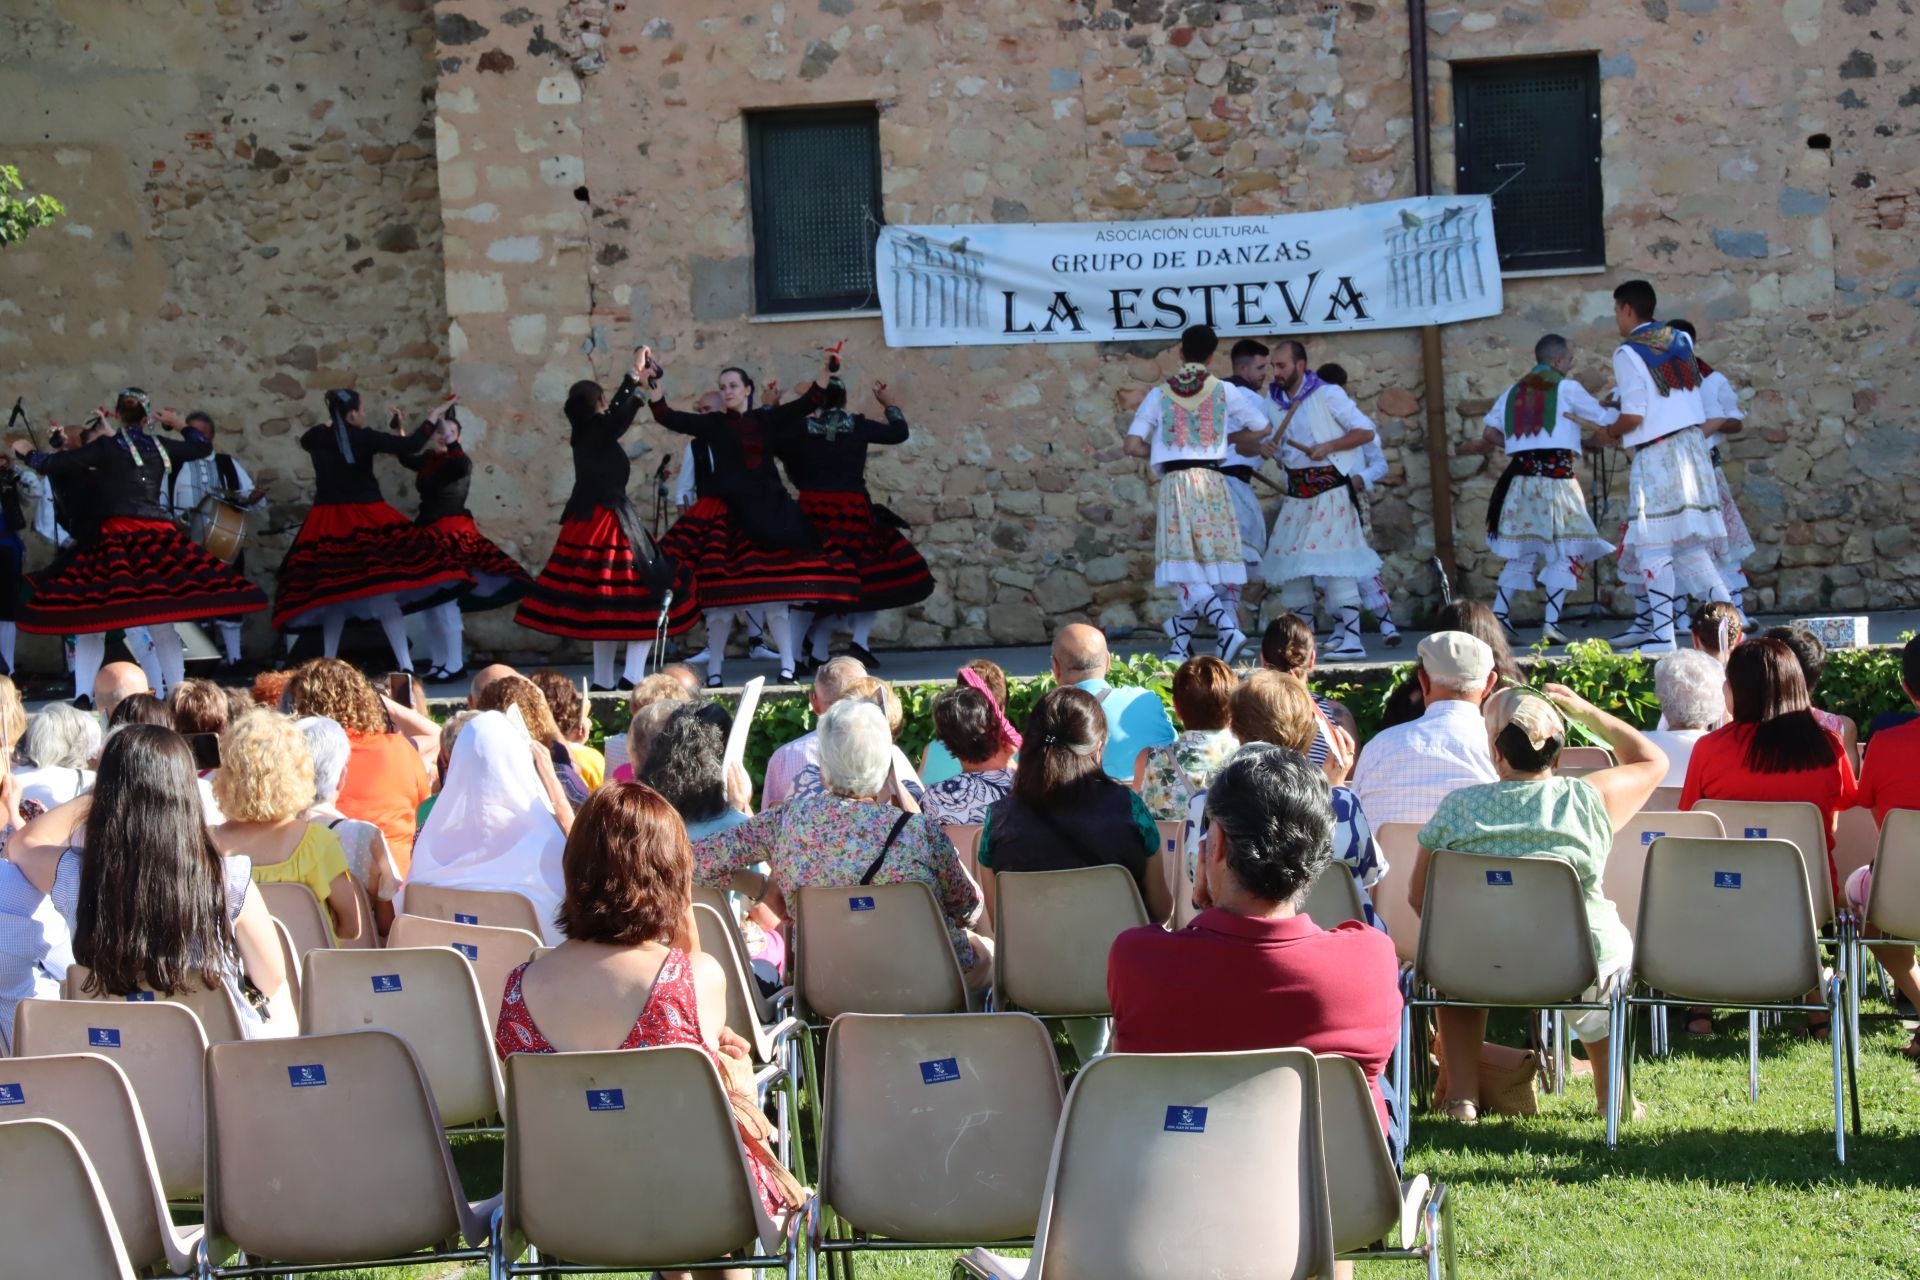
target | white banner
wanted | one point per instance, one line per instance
(1393, 265)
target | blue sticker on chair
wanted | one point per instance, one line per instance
(1648, 837)
(11, 1095)
(1173, 845)
(310, 1076)
(103, 1037)
(467, 949)
(939, 1071)
(465, 919)
(1500, 877)
(1726, 879)
(1186, 1120)
(143, 996)
(386, 983)
(859, 904)
(606, 1100)
(1756, 833)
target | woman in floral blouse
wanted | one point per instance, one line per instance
(1167, 776)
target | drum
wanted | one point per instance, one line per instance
(219, 527)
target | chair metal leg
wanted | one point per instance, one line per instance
(1616, 1066)
(1560, 1053)
(1753, 1055)
(1836, 1008)
(1404, 1074)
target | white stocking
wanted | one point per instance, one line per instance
(756, 620)
(719, 627)
(386, 611)
(636, 670)
(802, 622)
(603, 655)
(1558, 580)
(863, 627)
(1656, 568)
(1296, 595)
(1516, 579)
(9, 634)
(89, 652)
(780, 623)
(438, 650)
(169, 655)
(1343, 593)
(140, 645)
(229, 639)
(1696, 565)
(332, 623)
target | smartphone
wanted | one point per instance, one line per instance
(206, 750)
(400, 688)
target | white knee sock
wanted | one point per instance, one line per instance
(89, 653)
(332, 623)
(453, 627)
(802, 621)
(386, 611)
(140, 645)
(1296, 596)
(603, 655)
(780, 624)
(169, 654)
(229, 638)
(863, 627)
(1557, 581)
(636, 669)
(719, 627)
(1516, 579)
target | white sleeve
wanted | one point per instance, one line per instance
(1244, 411)
(1726, 400)
(1497, 415)
(1579, 401)
(1630, 377)
(1376, 465)
(683, 491)
(1346, 412)
(1147, 416)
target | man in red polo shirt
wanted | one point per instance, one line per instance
(1890, 779)
(1251, 971)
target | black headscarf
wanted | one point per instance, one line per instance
(339, 404)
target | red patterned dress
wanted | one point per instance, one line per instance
(672, 1016)
(442, 477)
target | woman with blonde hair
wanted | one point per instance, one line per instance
(265, 784)
(13, 727)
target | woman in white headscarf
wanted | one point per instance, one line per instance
(501, 819)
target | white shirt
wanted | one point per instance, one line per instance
(1241, 457)
(51, 787)
(1573, 401)
(194, 480)
(1300, 437)
(684, 494)
(45, 520)
(1660, 415)
(1243, 413)
(1678, 744)
(1405, 772)
(789, 760)
(1376, 469)
(1721, 400)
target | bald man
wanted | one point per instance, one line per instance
(117, 682)
(484, 677)
(1136, 717)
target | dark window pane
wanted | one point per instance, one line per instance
(1528, 132)
(815, 179)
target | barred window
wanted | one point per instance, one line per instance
(1527, 132)
(814, 178)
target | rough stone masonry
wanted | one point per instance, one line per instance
(272, 197)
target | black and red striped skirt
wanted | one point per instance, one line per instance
(349, 553)
(592, 588)
(134, 573)
(732, 571)
(892, 574)
(498, 579)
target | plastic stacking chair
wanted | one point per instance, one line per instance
(289, 960)
(938, 1131)
(1627, 863)
(1893, 902)
(493, 953)
(579, 1185)
(161, 1049)
(54, 1216)
(746, 1008)
(216, 1007)
(1377, 1215)
(1583, 758)
(1728, 923)
(966, 842)
(876, 948)
(90, 1096)
(1052, 935)
(1400, 845)
(1136, 1188)
(426, 995)
(1663, 800)
(1334, 897)
(327, 1150)
(493, 908)
(304, 916)
(1856, 842)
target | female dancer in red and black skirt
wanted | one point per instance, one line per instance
(135, 568)
(827, 463)
(357, 557)
(442, 472)
(745, 538)
(606, 577)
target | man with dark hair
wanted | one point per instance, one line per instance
(1537, 519)
(1373, 591)
(1183, 427)
(219, 476)
(1252, 971)
(1673, 505)
(1724, 418)
(1251, 374)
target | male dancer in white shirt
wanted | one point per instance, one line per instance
(1373, 469)
(1724, 418)
(1537, 519)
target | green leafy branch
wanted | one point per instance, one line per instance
(19, 216)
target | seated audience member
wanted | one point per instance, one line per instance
(1528, 813)
(1404, 772)
(1065, 812)
(385, 779)
(937, 762)
(877, 691)
(116, 682)
(686, 764)
(851, 836)
(1692, 688)
(106, 865)
(448, 733)
(1406, 703)
(794, 768)
(1287, 646)
(1136, 718)
(1889, 780)
(1167, 776)
(140, 708)
(485, 676)
(365, 847)
(968, 726)
(537, 716)
(689, 679)
(625, 921)
(500, 821)
(1253, 971)
(198, 706)
(658, 687)
(269, 687)
(1810, 651)
(62, 744)
(575, 720)
(264, 785)
(1717, 630)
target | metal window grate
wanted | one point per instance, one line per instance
(1527, 131)
(815, 183)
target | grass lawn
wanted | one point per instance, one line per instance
(1706, 1184)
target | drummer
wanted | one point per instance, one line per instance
(223, 477)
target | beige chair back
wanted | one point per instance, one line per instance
(289, 961)
(304, 916)
(713, 896)
(1052, 932)
(720, 940)
(966, 842)
(1893, 904)
(54, 1215)
(1182, 866)
(1627, 863)
(1400, 845)
(426, 995)
(1363, 1187)
(493, 953)
(579, 1185)
(1504, 931)
(491, 908)
(218, 1011)
(876, 948)
(1726, 921)
(1334, 896)
(1856, 842)
(1583, 758)
(327, 1149)
(161, 1049)
(939, 1127)
(1663, 800)
(1136, 1189)
(91, 1097)
(1795, 821)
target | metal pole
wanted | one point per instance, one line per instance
(1432, 370)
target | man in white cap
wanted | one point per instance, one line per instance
(1406, 771)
